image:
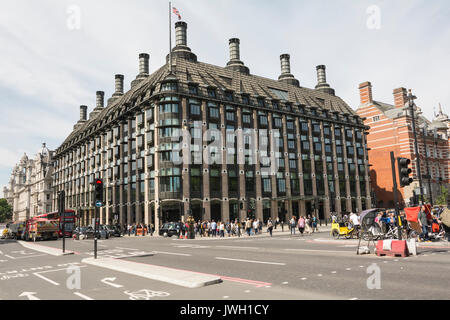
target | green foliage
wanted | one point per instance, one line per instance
(442, 200)
(5, 211)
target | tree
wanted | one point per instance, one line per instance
(442, 200)
(5, 211)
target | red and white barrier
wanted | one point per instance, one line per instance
(393, 248)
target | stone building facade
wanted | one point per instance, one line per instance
(320, 150)
(391, 130)
(29, 190)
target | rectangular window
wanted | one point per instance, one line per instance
(195, 110)
(214, 113)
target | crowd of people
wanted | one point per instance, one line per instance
(220, 229)
(386, 221)
(304, 224)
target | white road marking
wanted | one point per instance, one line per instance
(348, 269)
(8, 256)
(252, 261)
(333, 272)
(82, 296)
(127, 249)
(325, 251)
(38, 255)
(109, 281)
(37, 274)
(303, 279)
(29, 295)
(285, 282)
(319, 275)
(233, 247)
(174, 254)
(354, 299)
(247, 291)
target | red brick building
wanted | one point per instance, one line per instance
(391, 130)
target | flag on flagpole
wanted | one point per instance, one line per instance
(175, 11)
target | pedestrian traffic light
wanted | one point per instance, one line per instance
(99, 191)
(404, 171)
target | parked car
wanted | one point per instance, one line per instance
(168, 229)
(88, 233)
(79, 233)
(113, 231)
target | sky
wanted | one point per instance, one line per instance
(55, 54)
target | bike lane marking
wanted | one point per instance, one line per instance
(83, 296)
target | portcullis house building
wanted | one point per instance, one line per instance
(320, 155)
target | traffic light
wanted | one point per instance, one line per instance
(99, 191)
(404, 171)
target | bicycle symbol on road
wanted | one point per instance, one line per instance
(146, 294)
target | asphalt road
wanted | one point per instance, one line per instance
(283, 267)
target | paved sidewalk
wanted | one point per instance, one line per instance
(276, 233)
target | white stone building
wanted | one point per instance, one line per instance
(29, 188)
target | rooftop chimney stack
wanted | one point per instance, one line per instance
(365, 93)
(235, 54)
(285, 64)
(119, 84)
(83, 113)
(144, 63)
(100, 100)
(143, 69)
(286, 75)
(181, 49)
(235, 62)
(119, 88)
(181, 34)
(322, 84)
(400, 97)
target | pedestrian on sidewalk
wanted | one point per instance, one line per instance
(301, 225)
(277, 222)
(270, 226)
(129, 230)
(248, 227)
(423, 222)
(314, 224)
(292, 225)
(308, 228)
(214, 228)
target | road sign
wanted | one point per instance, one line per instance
(99, 204)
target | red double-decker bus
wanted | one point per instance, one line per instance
(70, 219)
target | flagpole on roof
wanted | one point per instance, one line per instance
(170, 37)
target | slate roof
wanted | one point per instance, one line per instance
(222, 78)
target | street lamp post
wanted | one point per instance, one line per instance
(427, 163)
(411, 99)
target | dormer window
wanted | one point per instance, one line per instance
(261, 102)
(169, 86)
(212, 93)
(275, 104)
(228, 96)
(193, 89)
(245, 99)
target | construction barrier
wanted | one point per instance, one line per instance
(392, 248)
